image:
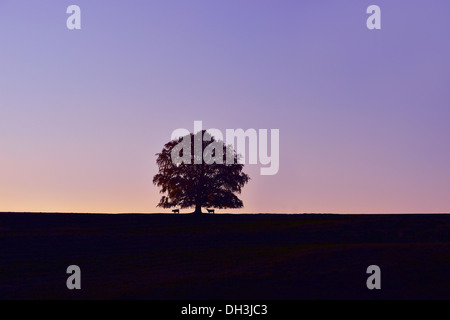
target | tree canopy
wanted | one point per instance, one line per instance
(204, 178)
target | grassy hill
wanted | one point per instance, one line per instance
(224, 256)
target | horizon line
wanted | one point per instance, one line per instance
(224, 213)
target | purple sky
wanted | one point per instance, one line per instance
(363, 115)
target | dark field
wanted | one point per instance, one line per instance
(224, 256)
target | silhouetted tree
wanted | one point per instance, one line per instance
(199, 184)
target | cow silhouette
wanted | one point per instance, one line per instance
(210, 210)
(176, 211)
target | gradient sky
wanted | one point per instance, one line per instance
(363, 115)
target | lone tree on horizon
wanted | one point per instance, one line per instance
(202, 179)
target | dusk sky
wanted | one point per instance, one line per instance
(364, 115)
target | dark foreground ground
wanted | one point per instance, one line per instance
(224, 256)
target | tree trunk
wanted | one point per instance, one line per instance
(198, 209)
